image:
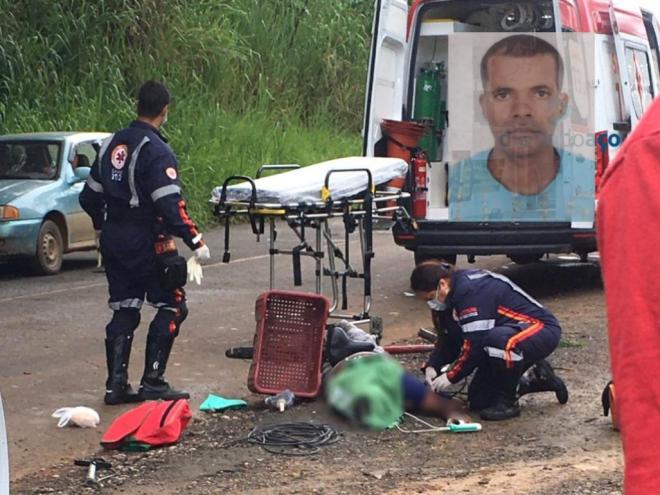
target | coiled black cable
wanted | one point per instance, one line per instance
(297, 439)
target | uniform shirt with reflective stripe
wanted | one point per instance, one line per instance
(139, 178)
(483, 300)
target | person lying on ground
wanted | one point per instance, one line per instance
(374, 391)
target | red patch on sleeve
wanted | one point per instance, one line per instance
(468, 312)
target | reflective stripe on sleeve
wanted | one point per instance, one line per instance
(478, 326)
(95, 186)
(513, 286)
(133, 303)
(135, 201)
(161, 192)
(104, 148)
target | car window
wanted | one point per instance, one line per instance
(85, 155)
(29, 160)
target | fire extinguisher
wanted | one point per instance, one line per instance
(420, 166)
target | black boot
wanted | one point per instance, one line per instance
(506, 406)
(542, 378)
(117, 388)
(153, 386)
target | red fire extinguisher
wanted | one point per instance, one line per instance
(419, 197)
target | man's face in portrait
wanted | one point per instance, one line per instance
(522, 102)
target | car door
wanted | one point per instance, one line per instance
(79, 224)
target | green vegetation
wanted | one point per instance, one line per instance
(254, 81)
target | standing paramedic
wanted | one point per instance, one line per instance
(133, 195)
(492, 326)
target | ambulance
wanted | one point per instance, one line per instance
(429, 64)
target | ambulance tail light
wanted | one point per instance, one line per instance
(602, 156)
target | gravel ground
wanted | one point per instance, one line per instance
(550, 450)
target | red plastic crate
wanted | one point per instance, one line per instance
(288, 343)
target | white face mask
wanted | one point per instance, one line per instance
(435, 304)
(165, 119)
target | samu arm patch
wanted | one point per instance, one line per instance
(171, 173)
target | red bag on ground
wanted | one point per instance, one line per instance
(628, 239)
(152, 423)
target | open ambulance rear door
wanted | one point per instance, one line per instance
(636, 84)
(387, 69)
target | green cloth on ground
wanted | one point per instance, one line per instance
(134, 446)
(369, 391)
(217, 403)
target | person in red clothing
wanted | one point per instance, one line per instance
(627, 221)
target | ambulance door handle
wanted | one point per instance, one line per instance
(622, 126)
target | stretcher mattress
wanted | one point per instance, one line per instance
(304, 185)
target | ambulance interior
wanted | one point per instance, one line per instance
(429, 65)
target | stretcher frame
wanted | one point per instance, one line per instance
(358, 214)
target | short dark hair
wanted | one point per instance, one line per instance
(522, 45)
(427, 275)
(152, 98)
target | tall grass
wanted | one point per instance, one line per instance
(254, 81)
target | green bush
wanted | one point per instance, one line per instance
(253, 81)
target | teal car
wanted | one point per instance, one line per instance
(41, 176)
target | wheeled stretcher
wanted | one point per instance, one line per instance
(306, 199)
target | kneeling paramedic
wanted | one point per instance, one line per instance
(133, 195)
(492, 326)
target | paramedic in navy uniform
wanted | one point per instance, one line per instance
(133, 195)
(503, 333)
(524, 177)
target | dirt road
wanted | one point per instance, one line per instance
(52, 356)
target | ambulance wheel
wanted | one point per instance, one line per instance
(50, 249)
(447, 258)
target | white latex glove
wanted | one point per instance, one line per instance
(203, 253)
(429, 375)
(441, 384)
(195, 269)
(84, 417)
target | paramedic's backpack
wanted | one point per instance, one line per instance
(369, 391)
(151, 424)
(609, 404)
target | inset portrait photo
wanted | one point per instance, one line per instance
(521, 139)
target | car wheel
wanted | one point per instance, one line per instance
(50, 249)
